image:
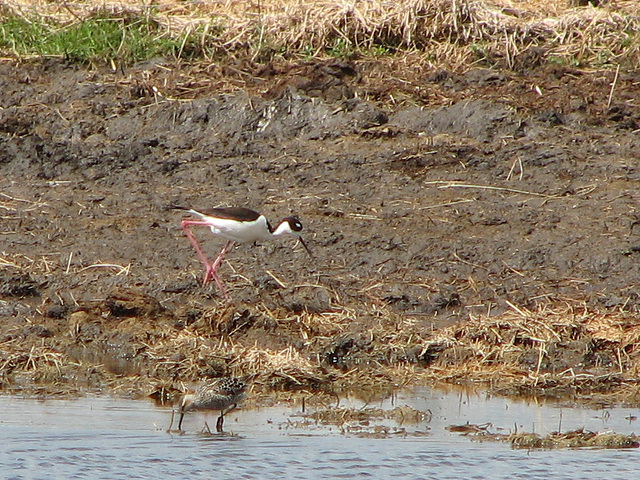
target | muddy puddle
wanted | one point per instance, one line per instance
(117, 438)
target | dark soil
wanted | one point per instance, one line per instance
(429, 197)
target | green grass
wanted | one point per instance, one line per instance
(97, 39)
(125, 38)
(341, 48)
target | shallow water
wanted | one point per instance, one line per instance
(114, 438)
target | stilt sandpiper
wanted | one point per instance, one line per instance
(222, 394)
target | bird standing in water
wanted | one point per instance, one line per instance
(236, 224)
(222, 394)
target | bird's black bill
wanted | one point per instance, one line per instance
(305, 246)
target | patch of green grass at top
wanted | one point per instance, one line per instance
(94, 40)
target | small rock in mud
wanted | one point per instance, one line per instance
(310, 299)
(38, 331)
(130, 303)
(18, 285)
(57, 311)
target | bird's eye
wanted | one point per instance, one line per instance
(295, 224)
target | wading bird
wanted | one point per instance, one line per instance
(236, 224)
(222, 394)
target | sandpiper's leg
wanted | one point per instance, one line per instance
(221, 417)
(232, 407)
(219, 423)
(180, 421)
(173, 414)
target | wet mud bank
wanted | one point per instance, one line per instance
(466, 227)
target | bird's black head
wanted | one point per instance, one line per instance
(295, 228)
(294, 224)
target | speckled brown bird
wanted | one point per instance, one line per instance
(222, 394)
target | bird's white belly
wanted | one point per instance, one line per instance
(241, 232)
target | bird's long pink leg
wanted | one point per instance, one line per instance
(210, 267)
(187, 231)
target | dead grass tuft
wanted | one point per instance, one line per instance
(558, 352)
(572, 439)
(130, 345)
(450, 32)
(190, 357)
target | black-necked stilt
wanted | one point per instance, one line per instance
(236, 224)
(222, 394)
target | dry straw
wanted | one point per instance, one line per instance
(444, 28)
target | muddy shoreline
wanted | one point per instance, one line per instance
(466, 227)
